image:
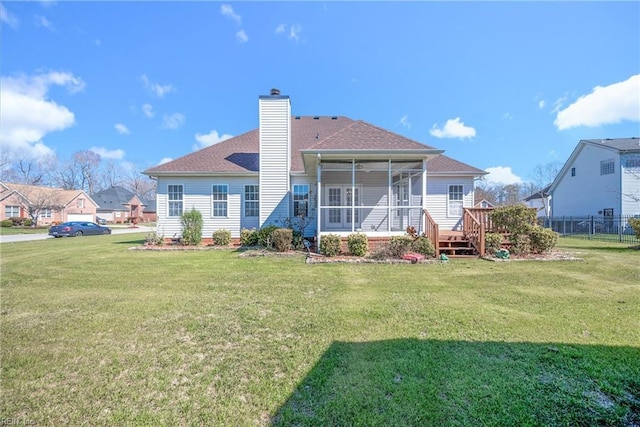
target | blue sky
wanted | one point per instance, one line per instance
(503, 86)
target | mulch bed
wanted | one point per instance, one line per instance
(553, 255)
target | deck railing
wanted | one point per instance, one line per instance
(431, 231)
(474, 227)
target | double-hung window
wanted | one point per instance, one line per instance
(251, 200)
(45, 213)
(176, 195)
(11, 211)
(455, 200)
(219, 196)
(301, 200)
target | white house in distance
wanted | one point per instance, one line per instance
(343, 175)
(601, 177)
(540, 201)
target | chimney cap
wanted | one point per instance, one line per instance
(275, 92)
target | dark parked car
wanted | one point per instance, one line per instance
(101, 221)
(77, 228)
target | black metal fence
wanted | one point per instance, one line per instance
(598, 227)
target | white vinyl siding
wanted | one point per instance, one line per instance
(630, 182)
(437, 200)
(588, 192)
(197, 194)
(275, 158)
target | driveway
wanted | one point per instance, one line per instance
(29, 237)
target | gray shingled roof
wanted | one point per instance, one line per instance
(241, 153)
(620, 144)
(115, 198)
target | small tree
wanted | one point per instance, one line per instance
(192, 227)
(635, 225)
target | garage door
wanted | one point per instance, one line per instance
(80, 217)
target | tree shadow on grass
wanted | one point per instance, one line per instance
(411, 382)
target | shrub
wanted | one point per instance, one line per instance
(330, 245)
(28, 222)
(248, 237)
(399, 245)
(6, 223)
(515, 219)
(153, 239)
(635, 225)
(520, 244)
(281, 238)
(492, 242)
(263, 236)
(542, 239)
(298, 242)
(358, 244)
(192, 227)
(423, 245)
(221, 237)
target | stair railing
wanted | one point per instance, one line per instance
(431, 231)
(474, 228)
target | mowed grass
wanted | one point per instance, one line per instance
(95, 334)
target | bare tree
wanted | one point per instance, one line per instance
(35, 199)
(81, 173)
(28, 170)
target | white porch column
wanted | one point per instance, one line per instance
(389, 195)
(319, 201)
(424, 193)
(353, 195)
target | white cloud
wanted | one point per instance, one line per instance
(147, 109)
(8, 18)
(28, 115)
(604, 105)
(242, 36)
(294, 31)
(108, 154)
(174, 121)
(507, 116)
(227, 10)
(404, 121)
(208, 139)
(502, 175)
(41, 21)
(122, 129)
(165, 160)
(158, 89)
(454, 128)
(541, 104)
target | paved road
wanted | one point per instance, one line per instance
(29, 237)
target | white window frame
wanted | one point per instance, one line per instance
(80, 203)
(46, 213)
(219, 204)
(300, 196)
(176, 202)
(252, 203)
(607, 167)
(9, 211)
(455, 204)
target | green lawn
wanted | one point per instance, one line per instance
(7, 231)
(95, 334)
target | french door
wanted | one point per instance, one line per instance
(342, 197)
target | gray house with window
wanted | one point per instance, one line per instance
(342, 175)
(601, 177)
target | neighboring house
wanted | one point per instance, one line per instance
(119, 205)
(342, 175)
(601, 177)
(46, 203)
(484, 204)
(540, 201)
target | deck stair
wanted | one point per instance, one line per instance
(454, 245)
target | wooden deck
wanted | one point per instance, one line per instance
(455, 245)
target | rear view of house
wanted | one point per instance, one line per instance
(340, 175)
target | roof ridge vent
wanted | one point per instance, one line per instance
(275, 92)
(316, 117)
